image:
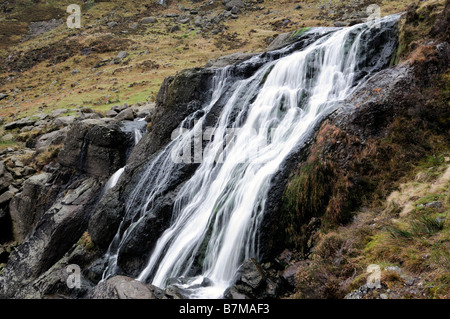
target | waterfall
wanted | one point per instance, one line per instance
(218, 210)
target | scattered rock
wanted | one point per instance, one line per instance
(8, 137)
(23, 207)
(252, 274)
(65, 120)
(396, 269)
(235, 10)
(175, 28)
(229, 5)
(148, 20)
(52, 138)
(435, 204)
(59, 112)
(20, 123)
(111, 113)
(119, 108)
(289, 273)
(121, 55)
(6, 197)
(340, 24)
(125, 115)
(112, 24)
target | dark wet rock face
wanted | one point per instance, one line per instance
(23, 207)
(94, 147)
(58, 229)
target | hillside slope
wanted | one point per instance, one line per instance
(371, 188)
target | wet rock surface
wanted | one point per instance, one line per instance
(94, 147)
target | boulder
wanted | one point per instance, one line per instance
(59, 112)
(252, 274)
(6, 197)
(119, 108)
(94, 147)
(148, 20)
(121, 55)
(121, 287)
(125, 115)
(144, 110)
(289, 273)
(280, 41)
(52, 138)
(24, 206)
(174, 28)
(112, 24)
(111, 113)
(229, 5)
(55, 281)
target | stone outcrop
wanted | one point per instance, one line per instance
(24, 207)
(58, 229)
(94, 147)
(121, 287)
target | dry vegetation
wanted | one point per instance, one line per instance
(37, 72)
(410, 230)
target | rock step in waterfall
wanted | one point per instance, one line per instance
(263, 118)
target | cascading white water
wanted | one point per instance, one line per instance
(113, 179)
(137, 133)
(217, 212)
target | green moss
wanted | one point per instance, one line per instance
(306, 196)
(300, 32)
(263, 80)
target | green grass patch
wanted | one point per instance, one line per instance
(300, 32)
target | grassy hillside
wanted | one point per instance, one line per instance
(70, 68)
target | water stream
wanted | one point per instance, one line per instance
(219, 209)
